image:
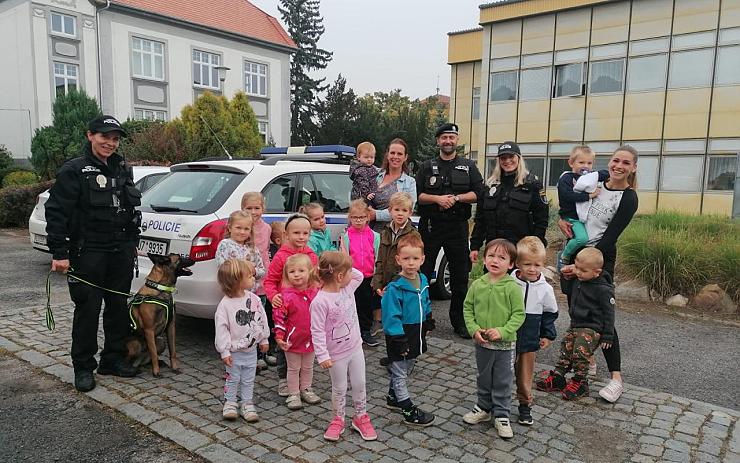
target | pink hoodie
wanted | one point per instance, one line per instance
(262, 232)
(241, 324)
(293, 318)
(274, 279)
(362, 248)
(335, 328)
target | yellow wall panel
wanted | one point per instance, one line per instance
(643, 115)
(453, 87)
(477, 72)
(503, 12)
(651, 18)
(604, 117)
(717, 204)
(533, 121)
(688, 203)
(610, 23)
(501, 122)
(725, 120)
(647, 202)
(687, 113)
(537, 36)
(506, 39)
(475, 138)
(566, 119)
(573, 29)
(730, 16)
(695, 15)
(464, 47)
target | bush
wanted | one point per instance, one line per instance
(156, 143)
(6, 162)
(17, 203)
(19, 178)
(674, 253)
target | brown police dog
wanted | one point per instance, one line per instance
(153, 311)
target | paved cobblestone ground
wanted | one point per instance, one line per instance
(644, 426)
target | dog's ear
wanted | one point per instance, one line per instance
(159, 260)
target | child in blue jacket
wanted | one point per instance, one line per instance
(407, 317)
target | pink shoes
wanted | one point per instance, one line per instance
(362, 425)
(335, 429)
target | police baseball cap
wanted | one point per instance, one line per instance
(449, 127)
(105, 124)
(508, 147)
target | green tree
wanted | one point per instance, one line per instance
(305, 26)
(338, 115)
(248, 139)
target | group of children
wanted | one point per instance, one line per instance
(288, 285)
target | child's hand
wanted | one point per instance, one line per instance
(606, 345)
(493, 334)
(380, 291)
(371, 196)
(544, 343)
(264, 347)
(480, 337)
(277, 301)
(284, 345)
(326, 364)
(228, 361)
(595, 193)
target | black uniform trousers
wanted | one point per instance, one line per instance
(108, 269)
(366, 300)
(452, 236)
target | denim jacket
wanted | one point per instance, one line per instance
(405, 183)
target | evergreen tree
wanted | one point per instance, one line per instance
(304, 23)
(338, 115)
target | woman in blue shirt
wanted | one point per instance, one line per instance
(393, 177)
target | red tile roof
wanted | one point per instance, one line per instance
(235, 16)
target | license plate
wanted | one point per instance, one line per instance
(39, 239)
(147, 246)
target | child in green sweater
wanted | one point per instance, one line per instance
(493, 311)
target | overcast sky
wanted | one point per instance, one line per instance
(381, 45)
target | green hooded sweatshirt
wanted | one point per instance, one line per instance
(497, 305)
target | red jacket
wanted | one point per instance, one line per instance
(274, 279)
(293, 318)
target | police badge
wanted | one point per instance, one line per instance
(101, 180)
(432, 180)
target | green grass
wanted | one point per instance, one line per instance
(674, 253)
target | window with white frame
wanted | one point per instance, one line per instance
(647, 73)
(682, 173)
(66, 77)
(647, 174)
(63, 24)
(142, 114)
(728, 66)
(535, 84)
(569, 79)
(255, 78)
(147, 58)
(535, 165)
(691, 69)
(476, 103)
(607, 76)
(503, 86)
(205, 73)
(721, 173)
(262, 127)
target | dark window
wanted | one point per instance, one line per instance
(280, 194)
(332, 190)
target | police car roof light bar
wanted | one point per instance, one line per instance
(272, 155)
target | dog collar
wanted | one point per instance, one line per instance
(158, 287)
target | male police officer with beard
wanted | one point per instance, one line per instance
(446, 187)
(93, 230)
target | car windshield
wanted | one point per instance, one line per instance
(191, 192)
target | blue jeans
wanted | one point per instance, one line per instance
(242, 371)
(399, 372)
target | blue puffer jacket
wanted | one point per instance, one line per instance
(407, 317)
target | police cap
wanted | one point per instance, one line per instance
(508, 147)
(105, 124)
(448, 127)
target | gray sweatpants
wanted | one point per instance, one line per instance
(495, 373)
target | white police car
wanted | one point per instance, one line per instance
(186, 212)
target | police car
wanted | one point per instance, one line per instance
(186, 212)
(144, 178)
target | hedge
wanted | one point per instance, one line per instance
(17, 203)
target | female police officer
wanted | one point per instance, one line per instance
(93, 229)
(512, 205)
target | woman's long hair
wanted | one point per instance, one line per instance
(631, 178)
(521, 174)
(405, 166)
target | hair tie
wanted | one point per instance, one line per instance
(331, 269)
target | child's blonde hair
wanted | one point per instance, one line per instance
(231, 274)
(410, 240)
(591, 256)
(310, 207)
(331, 263)
(581, 150)
(530, 246)
(402, 199)
(240, 215)
(357, 205)
(278, 230)
(365, 145)
(296, 260)
(251, 195)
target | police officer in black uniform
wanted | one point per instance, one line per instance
(513, 203)
(446, 187)
(93, 229)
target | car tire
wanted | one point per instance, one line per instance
(441, 288)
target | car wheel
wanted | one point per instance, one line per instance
(441, 289)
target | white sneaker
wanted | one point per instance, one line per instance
(230, 412)
(310, 397)
(503, 427)
(283, 388)
(249, 413)
(294, 402)
(476, 415)
(612, 391)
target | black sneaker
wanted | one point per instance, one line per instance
(369, 340)
(392, 402)
(575, 389)
(417, 417)
(525, 415)
(117, 368)
(552, 382)
(84, 381)
(463, 333)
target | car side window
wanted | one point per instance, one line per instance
(280, 194)
(332, 190)
(149, 181)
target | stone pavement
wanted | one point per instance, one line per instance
(644, 425)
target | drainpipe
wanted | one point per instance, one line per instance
(98, 4)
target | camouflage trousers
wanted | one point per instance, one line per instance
(576, 350)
